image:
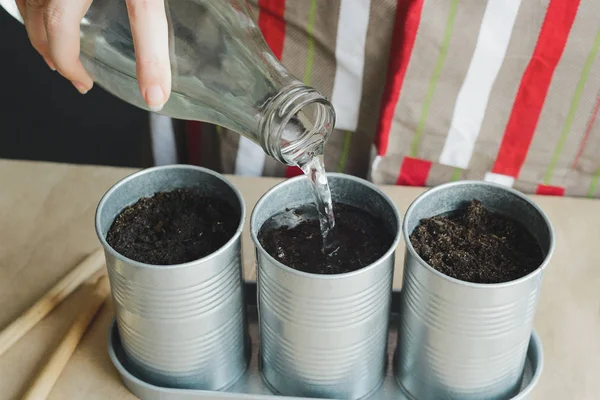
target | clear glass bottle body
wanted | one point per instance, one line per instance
(222, 72)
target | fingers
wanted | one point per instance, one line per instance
(32, 12)
(150, 38)
(61, 20)
(53, 29)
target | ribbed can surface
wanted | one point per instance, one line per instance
(181, 325)
(324, 335)
(462, 340)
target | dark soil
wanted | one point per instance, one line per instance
(173, 227)
(477, 245)
(293, 237)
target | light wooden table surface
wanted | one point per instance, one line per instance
(47, 226)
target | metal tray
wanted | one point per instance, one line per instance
(251, 385)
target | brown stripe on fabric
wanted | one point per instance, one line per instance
(414, 90)
(334, 148)
(297, 41)
(578, 184)
(440, 173)
(589, 161)
(322, 71)
(460, 52)
(472, 175)
(555, 117)
(385, 172)
(522, 44)
(377, 51)
(295, 47)
(525, 187)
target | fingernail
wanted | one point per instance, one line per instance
(50, 64)
(155, 98)
(80, 87)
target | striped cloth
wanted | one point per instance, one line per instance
(431, 91)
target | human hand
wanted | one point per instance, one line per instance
(53, 30)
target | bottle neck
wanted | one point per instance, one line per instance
(295, 125)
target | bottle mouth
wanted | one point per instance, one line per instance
(297, 124)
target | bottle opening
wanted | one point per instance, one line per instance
(297, 125)
(305, 133)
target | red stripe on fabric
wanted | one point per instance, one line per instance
(291, 172)
(194, 131)
(272, 24)
(588, 130)
(406, 25)
(550, 190)
(534, 87)
(413, 172)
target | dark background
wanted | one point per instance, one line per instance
(43, 117)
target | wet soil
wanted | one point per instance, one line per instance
(294, 238)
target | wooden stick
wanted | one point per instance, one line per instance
(48, 375)
(23, 324)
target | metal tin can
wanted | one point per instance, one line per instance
(181, 325)
(464, 340)
(324, 335)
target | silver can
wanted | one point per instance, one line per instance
(324, 335)
(464, 340)
(181, 325)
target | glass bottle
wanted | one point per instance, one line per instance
(222, 72)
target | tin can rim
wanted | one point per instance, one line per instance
(445, 186)
(336, 175)
(135, 175)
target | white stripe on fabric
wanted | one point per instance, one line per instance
(471, 103)
(500, 179)
(164, 148)
(250, 159)
(350, 60)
